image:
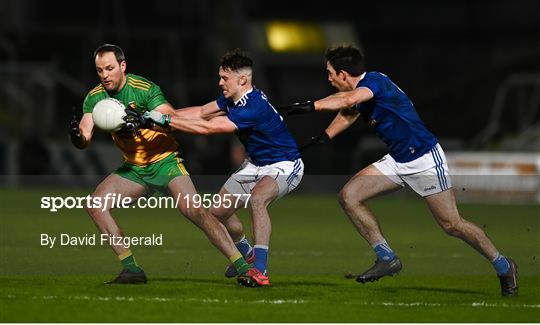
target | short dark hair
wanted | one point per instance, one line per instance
(235, 60)
(347, 58)
(118, 53)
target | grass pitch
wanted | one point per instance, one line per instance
(313, 247)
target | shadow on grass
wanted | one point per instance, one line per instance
(302, 283)
(431, 289)
(192, 280)
(232, 281)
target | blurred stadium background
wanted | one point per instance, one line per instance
(472, 69)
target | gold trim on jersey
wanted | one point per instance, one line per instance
(96, 90)
(142, 82)
(138, 87)
(138, 84)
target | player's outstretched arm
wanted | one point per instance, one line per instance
(191, 123)
(343, 99)
(198, 125)
(80, 133)
(206, 111)
(307, 106)
(335, 102)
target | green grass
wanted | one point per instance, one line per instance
(313, 246)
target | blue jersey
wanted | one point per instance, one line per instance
(391, 113)
(260, 128)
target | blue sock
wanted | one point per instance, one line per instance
(261, 257)
(383, 251)
(244, 247)
(501, 265)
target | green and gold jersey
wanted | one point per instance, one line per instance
(148, 146)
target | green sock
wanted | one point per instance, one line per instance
(239, 263)
(129, 263)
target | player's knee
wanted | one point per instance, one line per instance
(193, 213)
(453, 228)
(259, 200)
(219, 214)
(347, 198)
(235, 229)
(96, 211)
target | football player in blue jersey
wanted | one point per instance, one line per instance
(415, 158)
(273, 169)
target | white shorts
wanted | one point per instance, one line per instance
(287, 174)
(426, 175)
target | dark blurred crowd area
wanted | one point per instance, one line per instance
(450, 57)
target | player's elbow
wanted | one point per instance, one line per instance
(349, 101)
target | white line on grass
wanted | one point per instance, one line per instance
(476, 304)
(163, 299)
(431, 304)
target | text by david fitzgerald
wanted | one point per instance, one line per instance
(103, 239)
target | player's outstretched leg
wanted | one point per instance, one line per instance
(235, 229)
(444, 209)
(262, 195)
(366, 184)
(208, 223)
(226, 215)
(114, 186)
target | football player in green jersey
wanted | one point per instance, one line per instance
(151, 161)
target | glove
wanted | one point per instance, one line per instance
(74, 130)
(157, 118)
(298, 108)
(321, 139)
(148, 120)
(133, 120)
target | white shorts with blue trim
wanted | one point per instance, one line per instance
(426, 175)
(287, 174)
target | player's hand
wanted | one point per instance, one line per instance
(157, 117)
(74, 130)
(319, 140)
(134, 121)
(298, 108)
